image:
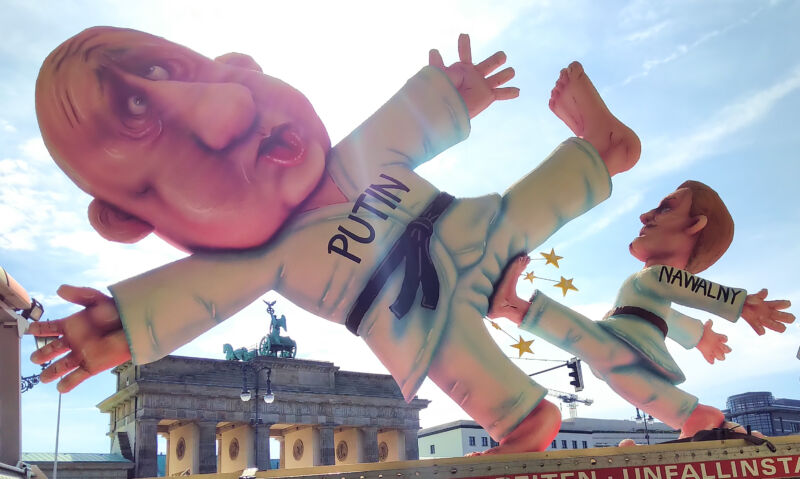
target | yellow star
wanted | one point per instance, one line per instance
(530, 276)
(523, 346)
(495, 325)
(565, 284)
(552, 257)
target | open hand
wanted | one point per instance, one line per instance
(712, 344)
(92, 338)
(477, 88)
(761, 314)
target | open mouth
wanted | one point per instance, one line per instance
(283, 146)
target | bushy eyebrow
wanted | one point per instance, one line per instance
(664, 202)
(89, 51)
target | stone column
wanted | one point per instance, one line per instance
(282, 457)
(370, 444)
(262, 446)
(166, 466)
(327, 447)
(412, 444)
(145, 450)
(207, 432)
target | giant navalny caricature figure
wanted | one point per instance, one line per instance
(231, 164)
(688, 232)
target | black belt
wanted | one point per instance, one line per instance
(413, 246)
(644, 314)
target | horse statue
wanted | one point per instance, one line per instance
(241, 354)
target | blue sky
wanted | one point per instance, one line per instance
(704, 84)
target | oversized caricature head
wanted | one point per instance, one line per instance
(206, 153)
(690, 229)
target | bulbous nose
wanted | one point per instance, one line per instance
(646, 217)
(215, 113)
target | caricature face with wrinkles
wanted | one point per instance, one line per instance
(664, 231)
(212, 154)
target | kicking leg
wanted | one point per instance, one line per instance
(504, 302)
(534, 433)
(578, 104)
(472, 369)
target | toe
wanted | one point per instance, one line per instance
(575, 69)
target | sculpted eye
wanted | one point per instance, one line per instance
(137, 105)
(157, 73)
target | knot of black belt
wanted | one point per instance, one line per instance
(413, 246)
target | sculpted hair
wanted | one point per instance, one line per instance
(716, 237)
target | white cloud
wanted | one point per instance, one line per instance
(647, 33)
(630, 203)
(34, 150)
(638, 11)
(6, 126)
(37, 202)
(678, 153)
(683, 49)
(47, 299)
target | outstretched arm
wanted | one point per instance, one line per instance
(475, 85)
(92, 339)
(761, 314)
(712, 344)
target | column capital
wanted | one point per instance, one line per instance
(205, 422)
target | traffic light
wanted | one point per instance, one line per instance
(574, 366)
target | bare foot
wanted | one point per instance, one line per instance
(702, 418)
(578, 104)
(533, 434)
(504, 302)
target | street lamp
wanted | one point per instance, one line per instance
(269, 397)
(246, 395)
(644, 419)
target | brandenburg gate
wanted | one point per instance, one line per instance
(218, 415)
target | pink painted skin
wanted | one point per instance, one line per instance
(193, 149)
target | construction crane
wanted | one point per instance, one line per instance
(571, 400)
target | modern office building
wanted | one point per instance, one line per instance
(458, 438)
(765, 413)
(453, 439)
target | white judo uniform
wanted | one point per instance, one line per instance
(322, 259)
